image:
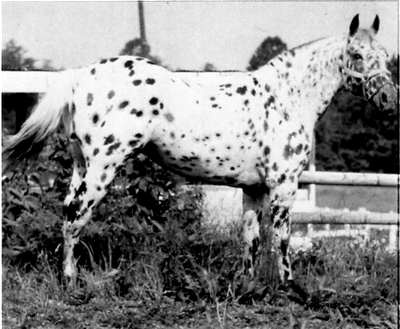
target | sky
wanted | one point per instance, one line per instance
(184, 35)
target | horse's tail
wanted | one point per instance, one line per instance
(44, 120)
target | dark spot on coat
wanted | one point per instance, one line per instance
(113, 147)
(89, 99)
(281, 179)
(139, 113)
(93, 71)
(267, 150)
(150, 81)
(103, 61)
(87, 139)
(133, 143)
(111, 94)
(286, 116)
(95, 118)
(103, 177)
(123, 104)
(95, 151)
(73, 109)
(109, 139)
(169, 117)
(155, 112)
(241, 90)
(137, 82)
(275, 166)
(153, 101)
(129, 64)
(269, 101)
(299, 148)
(288, 151)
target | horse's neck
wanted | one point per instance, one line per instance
(306, 78)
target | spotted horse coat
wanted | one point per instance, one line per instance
(250, 130)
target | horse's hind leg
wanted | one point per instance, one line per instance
(79, 171)
(254, 200)
(78, 208)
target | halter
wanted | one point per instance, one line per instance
(367, 78)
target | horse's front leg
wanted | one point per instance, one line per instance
(281, 201)
(282, 198)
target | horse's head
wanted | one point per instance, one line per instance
(364, 67)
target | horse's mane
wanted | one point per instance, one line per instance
(306, 44)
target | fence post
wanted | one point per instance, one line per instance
(393, 237)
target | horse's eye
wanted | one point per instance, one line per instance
(357, 56)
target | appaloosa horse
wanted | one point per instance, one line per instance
(251, 130)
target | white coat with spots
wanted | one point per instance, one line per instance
(251, 130)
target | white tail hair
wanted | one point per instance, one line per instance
(44, 120)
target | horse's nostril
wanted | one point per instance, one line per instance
(384, 98)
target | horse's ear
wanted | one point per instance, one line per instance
(375, 24)
(354, 25)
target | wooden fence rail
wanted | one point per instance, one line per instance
(340, 217)
(348, 178)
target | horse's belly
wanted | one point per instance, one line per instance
(225, 168)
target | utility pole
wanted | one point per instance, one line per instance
(142, 25)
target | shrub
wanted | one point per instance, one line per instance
(142, 199)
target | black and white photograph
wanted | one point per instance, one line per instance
(200, 164)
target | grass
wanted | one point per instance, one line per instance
(193, 284)
(147, 267)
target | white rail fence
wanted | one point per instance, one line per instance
(305, 210)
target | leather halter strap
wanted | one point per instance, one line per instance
(365, 78)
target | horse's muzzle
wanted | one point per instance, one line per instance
(386, 99)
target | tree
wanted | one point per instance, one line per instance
(12, 58)
(137, 47)
(269, 48)
(209, 68)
